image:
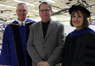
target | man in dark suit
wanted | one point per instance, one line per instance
(46, 39)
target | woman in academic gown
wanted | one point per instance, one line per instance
(79, 49)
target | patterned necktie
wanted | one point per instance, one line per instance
(21, 23)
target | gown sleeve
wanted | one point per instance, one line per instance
(5, 51)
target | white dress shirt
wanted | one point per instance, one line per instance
(20, 22)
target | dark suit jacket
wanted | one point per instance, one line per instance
(48, 48)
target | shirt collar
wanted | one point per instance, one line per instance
(19, 22)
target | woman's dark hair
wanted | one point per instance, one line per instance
(85, 21)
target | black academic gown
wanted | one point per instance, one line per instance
(79, 49)
(14, 45)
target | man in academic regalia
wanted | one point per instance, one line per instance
(15, 37)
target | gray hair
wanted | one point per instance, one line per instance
(20, 4)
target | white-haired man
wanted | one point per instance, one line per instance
(15, 37)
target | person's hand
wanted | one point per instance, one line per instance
(43, 63)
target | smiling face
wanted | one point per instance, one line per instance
(77, 20)
(45, 12)
(21, 12)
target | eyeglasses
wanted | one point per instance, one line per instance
(46, 10)
(21, 10)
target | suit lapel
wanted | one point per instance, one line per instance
(50, 27)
